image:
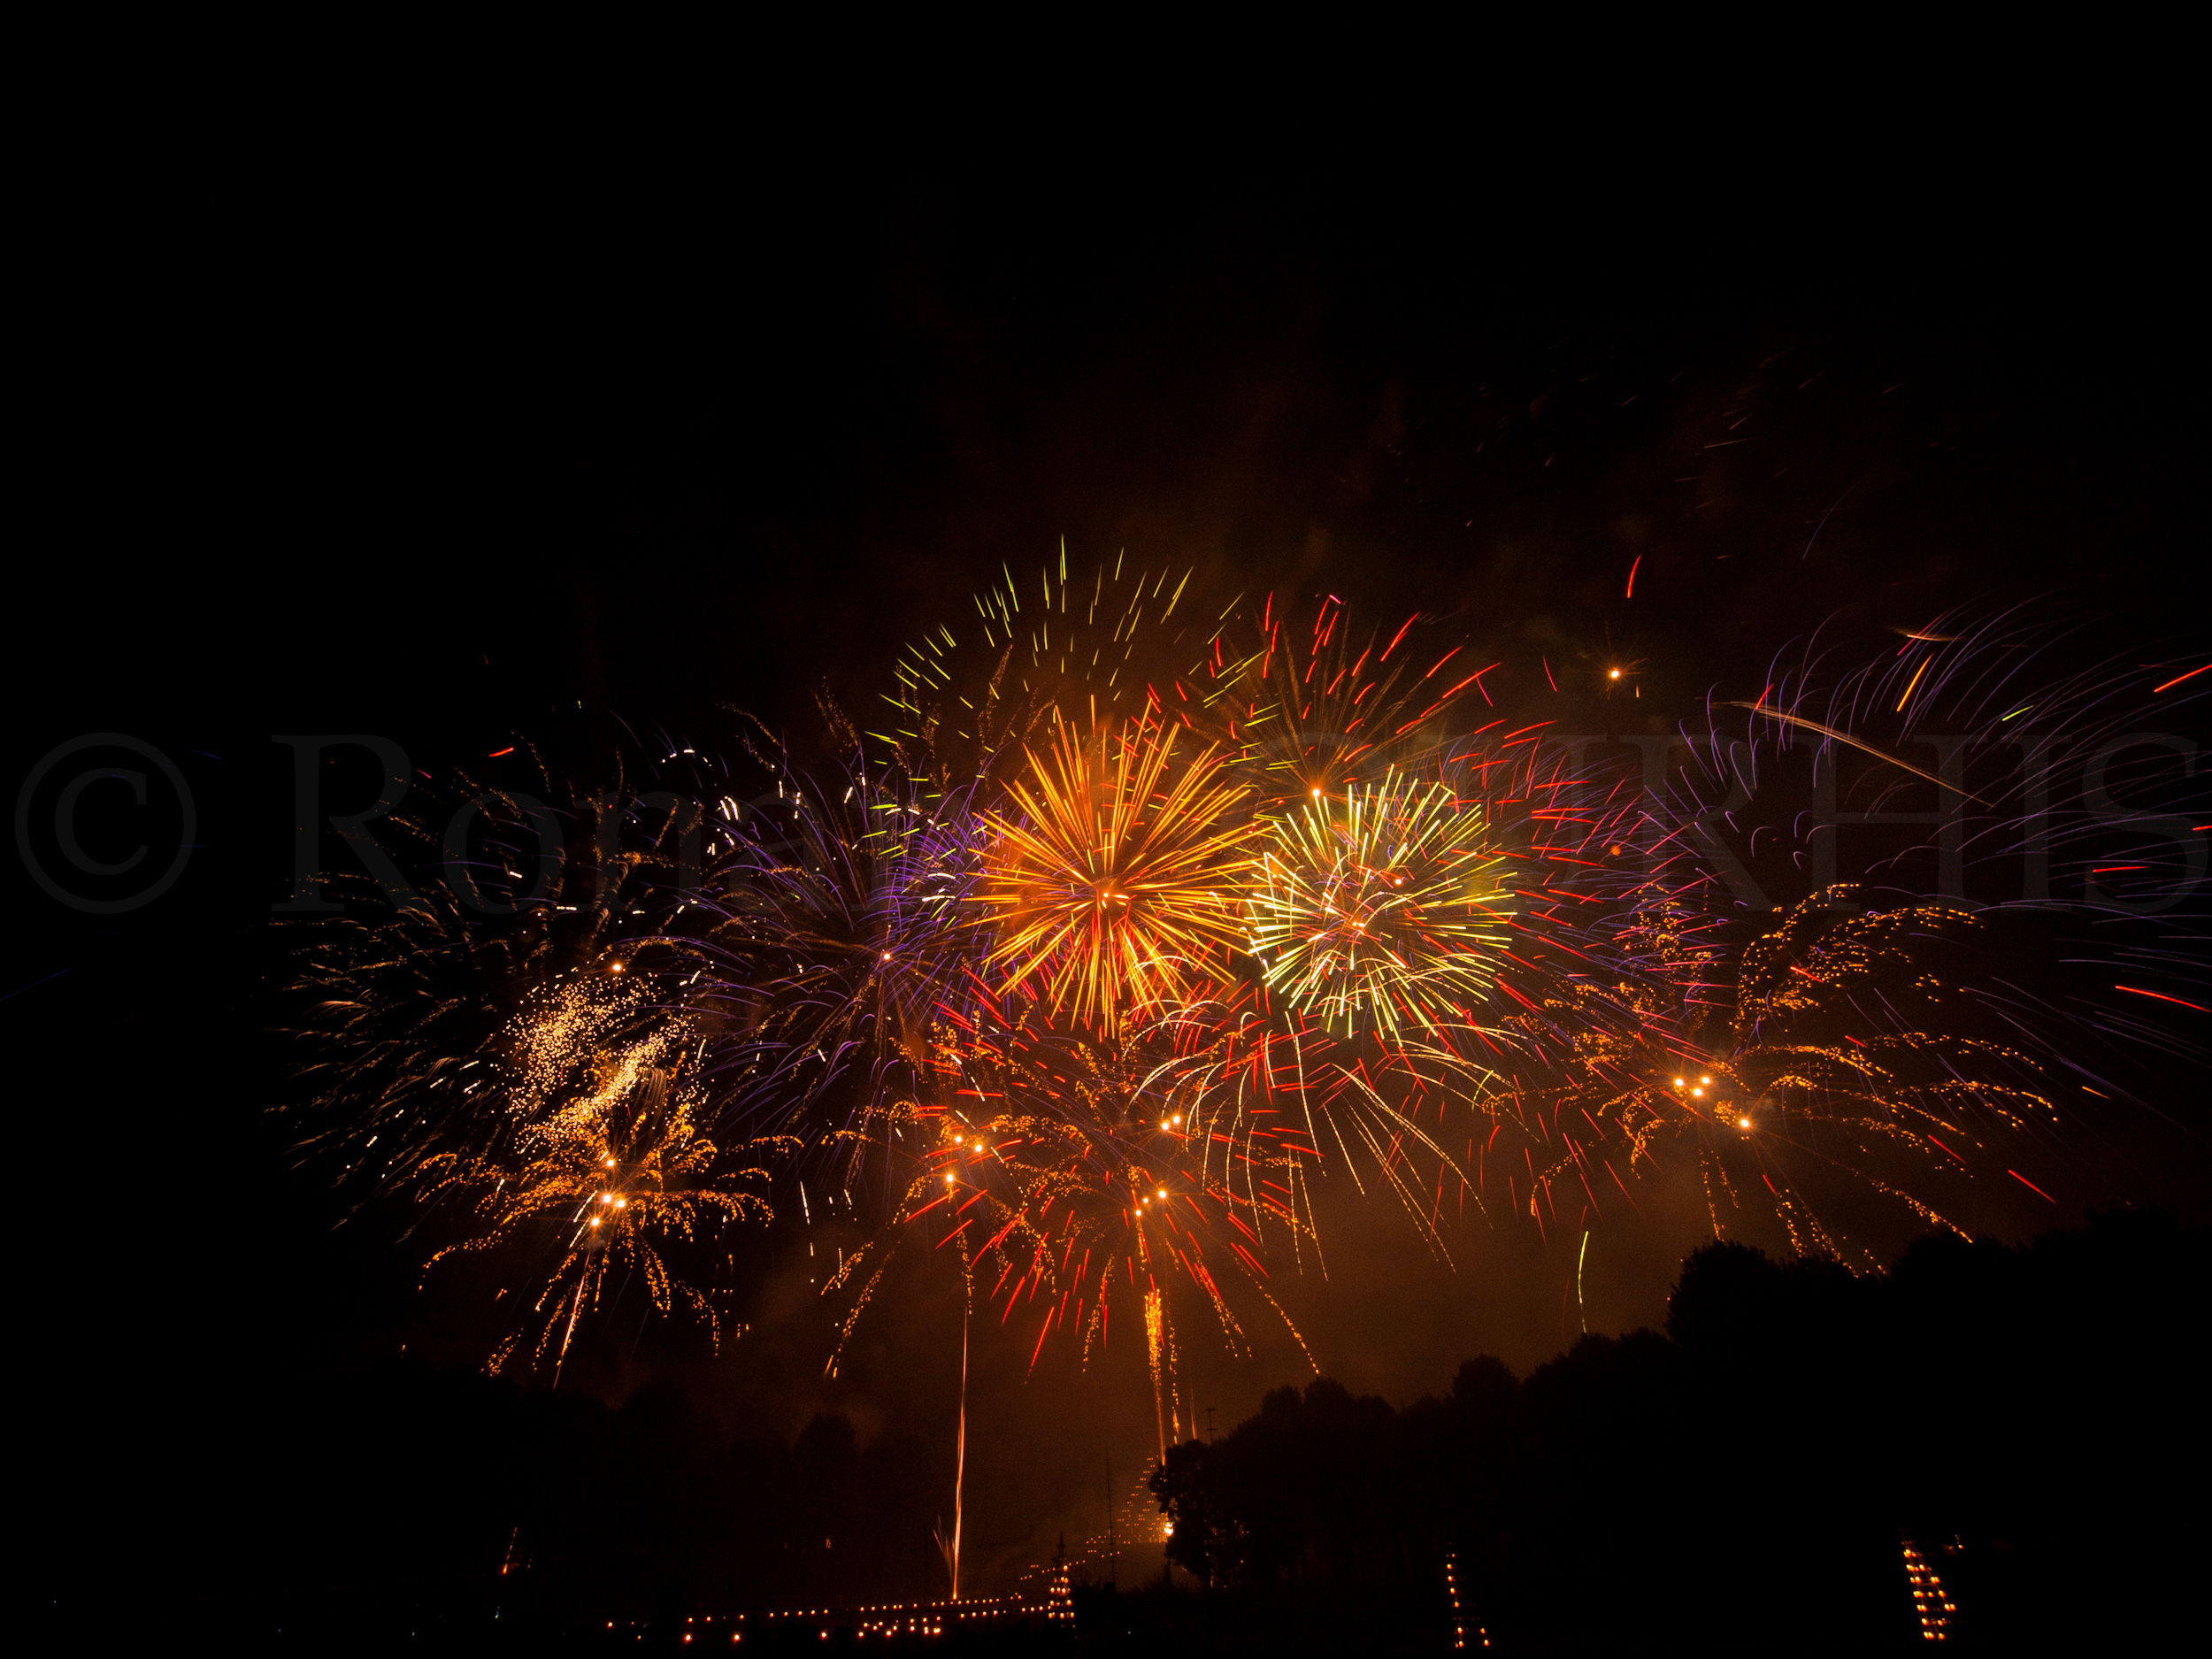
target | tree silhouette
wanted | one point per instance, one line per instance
(1744, 1482)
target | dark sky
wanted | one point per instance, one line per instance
(465, 478)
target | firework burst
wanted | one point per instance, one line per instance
(837, 925)
(1388, 906)
(1112, 879)
(609, 1181)
(592, 1156)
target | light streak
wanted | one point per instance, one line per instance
(2032, 1186)
(2137, 991)
(1788, 718)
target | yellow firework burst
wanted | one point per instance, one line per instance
(1387, 905)
(1113, 884)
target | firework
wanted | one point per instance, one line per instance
(1313, 713)
(1387, 905)
(609, 1178)
(1787, 1106)
(1112, 879)
(1068, 1185)
(837, 923)
(1450, 931)
(1893, 1042)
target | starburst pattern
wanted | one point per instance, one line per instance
(1387, 905)
(1112, 879)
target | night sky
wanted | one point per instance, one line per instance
(467, 483)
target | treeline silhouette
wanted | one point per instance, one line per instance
(2033, 1419)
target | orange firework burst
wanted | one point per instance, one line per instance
(1115, 885)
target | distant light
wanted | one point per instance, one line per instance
(948, 1180)
(1743, 1123)
(1614, 674)
(1705, 1080)
(1679, 1083)
(1695, 1093)
(1163, 1192)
